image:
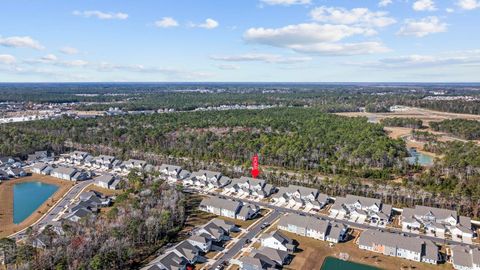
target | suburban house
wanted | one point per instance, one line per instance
(397, 245)
(4, 175)
(107, 181)
(65, 173)
(134, 164)
(247, 186)
(437, 222)
(39, 156)
(16, 172)
(171, 172)
(90, 202)
(360, 209)
(38, 167)
(265, 258)
(297, 196)
(168, 261)
(6, 160)
(188, 251)
(77, 157)
(313, 227)
(217, 229)
(465, 258)
(248, 211)
(104, 162)
(204, 243)
(277, 240)
(209, 179)
(221, 207)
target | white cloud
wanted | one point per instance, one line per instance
(172, 73)
(166, 22)
(101, 15)
(468, 4)
(315, 38)
(228, 67)
(7, 59)
(69, 50)
(286, 2)
(422, 27)
(356, 16)
(208, 24)
(462, 58)
(342, 48)
(261, 57)
(449, 10)
(424, 5)
(303, 33)
(21, 42)
(49, 58)
(384, 3)
(74, 63)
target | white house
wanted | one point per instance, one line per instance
(277, 240)
(65, 173)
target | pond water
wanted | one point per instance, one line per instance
(28, 196)
(332, 263)
(419, 158)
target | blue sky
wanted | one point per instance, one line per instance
(240, 40)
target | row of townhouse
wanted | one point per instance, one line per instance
(104, 162)
(313, 227)
(191, 251)
(360, 209)
(89, 203)
(247, 186)
(274, 252)
(297, 196)
(465, 258)
(438, 222)
(11, 168)
(207, 179)
(398, 245)
(229, 208)
(173, 173)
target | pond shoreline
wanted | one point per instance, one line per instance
(6, 202)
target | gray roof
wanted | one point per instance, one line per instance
(307, 222)
(439, 213)
(252, 181)
(169, 167)
(106, 178)
(246, 209)
(65, 170)
(257, 263)
(221, 203)
(278, 256)
(424, 247)
(39, 165)
(208, 174)
(187, 250)
(279, 237)
(304, 191)
(351, 199)
(171, 261)
(465, 256)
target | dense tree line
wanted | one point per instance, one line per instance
(291, 138)
(456, 175)
(145, 217)
(402, 122)
(463, 128)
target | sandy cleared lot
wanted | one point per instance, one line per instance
(7, 226)
(313, 253)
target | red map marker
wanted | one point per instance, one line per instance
(255, 171)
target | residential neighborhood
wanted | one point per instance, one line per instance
(299, 211)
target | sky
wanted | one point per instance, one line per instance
(240, 40)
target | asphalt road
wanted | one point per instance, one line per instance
(230, 253)
(53, 212)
